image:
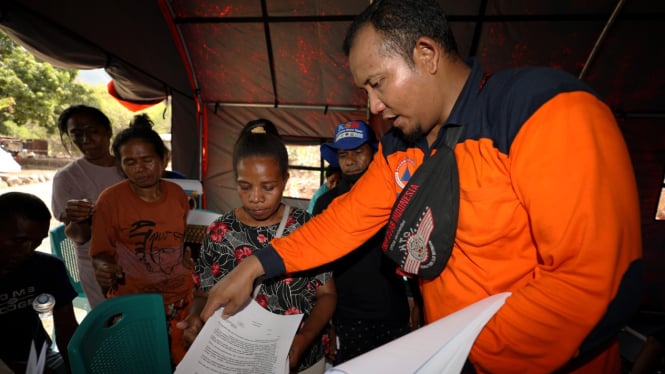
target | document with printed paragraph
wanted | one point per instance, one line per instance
(253, 340)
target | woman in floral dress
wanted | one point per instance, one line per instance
(260, 163)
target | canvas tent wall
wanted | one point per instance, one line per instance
(225, 62)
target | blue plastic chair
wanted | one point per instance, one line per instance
(63, 248)
(122, 335)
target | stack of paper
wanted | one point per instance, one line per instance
(253, 340)
(439, 347)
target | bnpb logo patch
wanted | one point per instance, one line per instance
(403, 172)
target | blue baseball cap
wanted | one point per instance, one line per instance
(348, 135)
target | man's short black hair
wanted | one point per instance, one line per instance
(21, 204)
(402, 22)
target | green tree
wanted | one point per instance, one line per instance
(39, 90)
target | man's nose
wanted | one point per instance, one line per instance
(350, 159)
(376, 106)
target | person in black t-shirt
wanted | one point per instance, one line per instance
(373, 306)
(24, 274)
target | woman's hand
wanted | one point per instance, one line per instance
(415, 317)
(107, 272)
(79, 210)
(191, 326)
(332, 344)
(187, 260)
(193, 323)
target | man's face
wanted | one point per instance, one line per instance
(398, 92)
(355, 161)
(18, 240)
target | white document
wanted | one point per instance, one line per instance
(439, 347)
(36, 362)
(253, 340)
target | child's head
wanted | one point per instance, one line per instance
(140, 152)
(260, 163)
(24, 223)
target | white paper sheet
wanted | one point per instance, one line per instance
(439, 347)
(36, 362)
(253, 340)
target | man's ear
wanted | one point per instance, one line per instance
(427, 53)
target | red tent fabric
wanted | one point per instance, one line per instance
(223, 63)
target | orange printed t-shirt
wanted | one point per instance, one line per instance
(146, 239)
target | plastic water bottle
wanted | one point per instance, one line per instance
(43, 304)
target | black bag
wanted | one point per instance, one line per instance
(421, 230)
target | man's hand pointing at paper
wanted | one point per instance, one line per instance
(234, 290)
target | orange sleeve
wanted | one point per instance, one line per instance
(349, 221)
(571, 170)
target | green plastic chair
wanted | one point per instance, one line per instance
(122, 335)
(63, 248)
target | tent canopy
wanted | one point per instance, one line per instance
(226, 62)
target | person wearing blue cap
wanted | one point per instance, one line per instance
(372, 303)
(354, 145)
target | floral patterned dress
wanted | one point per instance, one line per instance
(228, 241)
